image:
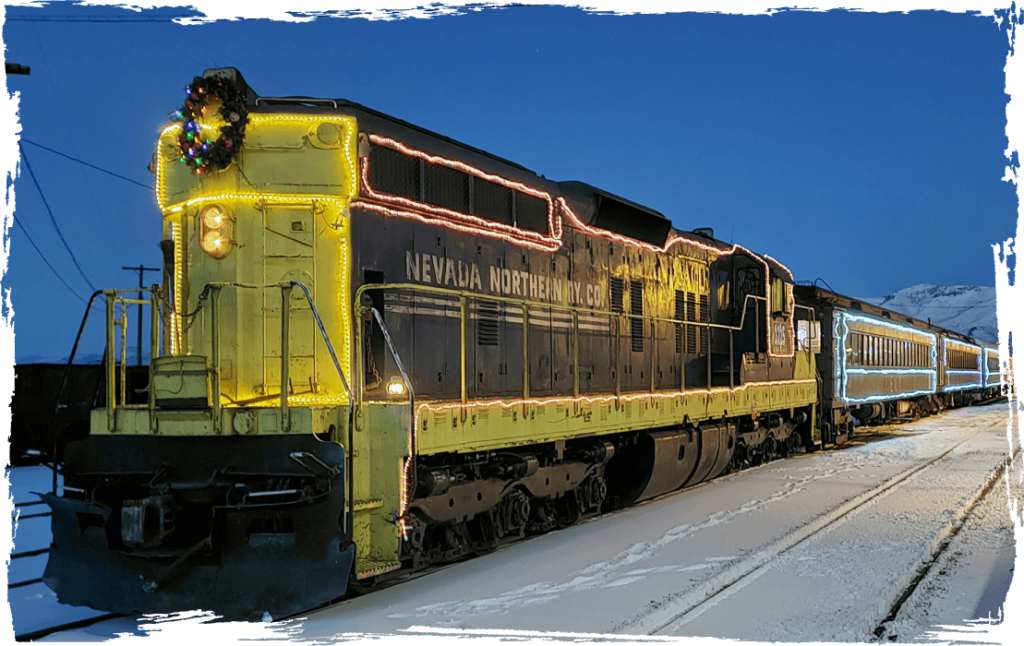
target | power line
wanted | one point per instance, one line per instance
(41, 255)
(98, 18)
(295, 15)
(85, 163)
(53, 219)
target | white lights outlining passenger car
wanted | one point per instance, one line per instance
(987, 379)
(845, 372)
(946, 343)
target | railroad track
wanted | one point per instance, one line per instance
(865, 436)
(677, 610)
(891, 428)
(71, 625)
(674, 612)
(34, 509)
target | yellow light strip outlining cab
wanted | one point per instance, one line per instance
(339, 202)
(349, 183)
(175, 336)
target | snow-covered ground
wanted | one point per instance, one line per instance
(34, 607)
(854, 572)
(816, 548)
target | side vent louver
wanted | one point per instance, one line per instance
(531, 213)
(636, 308)
(617, 289)
(492, 201)
(680, 315)
(487, 323)
(691, 330)
(446, 187)
(394, 173)
(705, 317)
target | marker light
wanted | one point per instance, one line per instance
(396, 387)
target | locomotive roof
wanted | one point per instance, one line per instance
(594, 206)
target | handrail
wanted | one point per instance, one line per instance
(557, 306)
(64, 382)
(408, 386)
(526, 304)
(285, 288)
(113, 297)
(312, 306)
(327, 340)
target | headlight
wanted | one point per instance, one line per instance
(216, 229)
(214, 217)
(215, 244)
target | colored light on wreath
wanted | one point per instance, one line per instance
(232, 109)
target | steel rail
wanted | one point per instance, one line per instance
(71, 625)
(709, 592)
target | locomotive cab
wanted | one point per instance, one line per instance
(233, 474)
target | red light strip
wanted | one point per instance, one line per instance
(554, 223)
(677, 239)
(550, 243)
(489, 233)
(781, 266)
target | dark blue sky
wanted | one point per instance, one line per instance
(864, 149)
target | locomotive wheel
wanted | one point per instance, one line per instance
(784, 447)
(567, 509)
(792, 444)
(511, 513)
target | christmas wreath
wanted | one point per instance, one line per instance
(198, 151)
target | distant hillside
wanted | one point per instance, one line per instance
(961, 308)
(80, 358)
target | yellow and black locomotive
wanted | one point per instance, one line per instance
(375, 348)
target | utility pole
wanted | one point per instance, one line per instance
(141, 270)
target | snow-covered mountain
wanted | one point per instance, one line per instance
(961, 308)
